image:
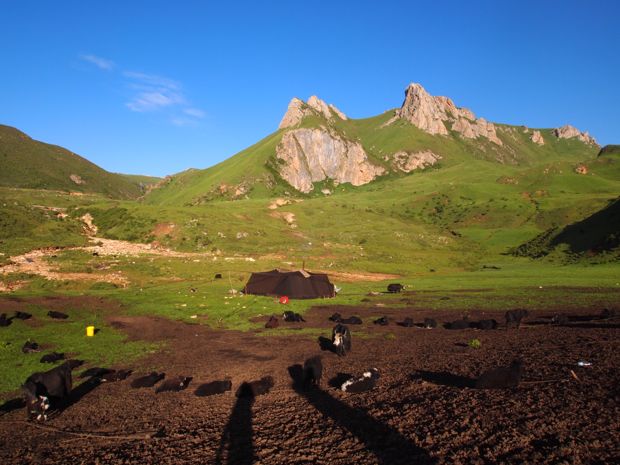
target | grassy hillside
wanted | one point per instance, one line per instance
(27, 163)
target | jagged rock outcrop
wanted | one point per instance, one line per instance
(408, 162)
(568, 132)
(298, 109)
(432, 113)
(313, 155)
(537, 138)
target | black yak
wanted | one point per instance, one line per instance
(336, 317)
(115, 375)
(430, 323)
(364, 383)
(52, 358)
(255, 388)
(502, 377)
(42, 389)
(22, 315)
(514, 317)
(383, 321)
(313, 372)
(459, 324)
(176, 384)
(352, 320)
(4, 321)
(341, 339)
(292, 317)
(407, 323)
(395, 288)
(272, 322)
(213, 388)
(30, 347)
(487, 325)
(57, 315)
(148, 381)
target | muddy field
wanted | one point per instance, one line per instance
(421, 410)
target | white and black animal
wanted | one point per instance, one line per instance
(31, 347)
(502, 377)
(57, 315)
(292, 317)
(341, 339)
(395, 288)
(115, 375)
(44, 390)
(430, 323)
(176, 384)
(514, 317)
(366, 382)
(313, 372)
(148, 381)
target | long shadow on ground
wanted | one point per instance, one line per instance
(444, 378)
(385, 442)
(238, 432)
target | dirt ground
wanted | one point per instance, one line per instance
(420, 411)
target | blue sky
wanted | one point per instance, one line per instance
(156, 87)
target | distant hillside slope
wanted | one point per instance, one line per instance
(27, 163)
(317, 147)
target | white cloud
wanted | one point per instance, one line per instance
(195, 112)
(155, 100)
(99, 62)
(153, 92)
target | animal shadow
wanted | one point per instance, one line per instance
(443, 378)
(326, 344)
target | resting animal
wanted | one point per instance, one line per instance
(41, 389)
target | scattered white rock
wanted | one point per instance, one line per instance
(408, 162)
(537, 138)
(568, 132)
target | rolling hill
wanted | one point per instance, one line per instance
(27, 163)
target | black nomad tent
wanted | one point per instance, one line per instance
(293, 284)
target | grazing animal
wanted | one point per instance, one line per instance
(213, 388)
(272, 322)
(514, 317)
(608, 313)
(255, 388)
(95, 372)
(487, 325)
(22, 315)
(176, 384)
(4, 321)
(148, 380)
(57, 315)
(559, 319)
(336, 317)
(364, 383)
(292, 316)
(459, 324)
(313, 372)
(341, 339)
(502, 377)
(52, 358)
(116, 375)
(41, 389)
(31, 347)
(408, 323)
(218, 276)
(430, 323)
(383, 321)
(352, 320)
(395, 288)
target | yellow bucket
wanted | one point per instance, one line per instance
(90, 331)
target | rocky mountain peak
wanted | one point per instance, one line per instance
(568, 132)
(298, 109)
(436, 114)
